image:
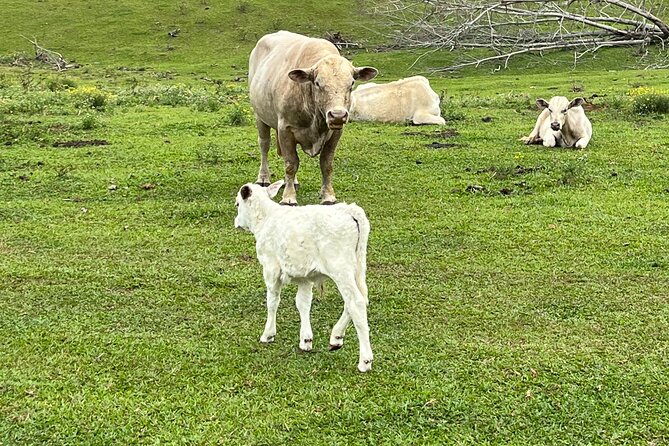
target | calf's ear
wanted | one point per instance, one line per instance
(273, 188)
(365, 73)
(301, 76)
(541, 103)
(576, 102)
(245, 191)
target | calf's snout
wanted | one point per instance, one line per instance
(555, 126)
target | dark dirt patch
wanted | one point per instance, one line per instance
(446, 133)
(81, 143)
(440, 145)
(486, 119)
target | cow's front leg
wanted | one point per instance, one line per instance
(326, 160)
(264, 139)
(582, 143)
(273, 298)
(549, 140)
(292, 163)
(303, 302)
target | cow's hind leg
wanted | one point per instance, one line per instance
(303, 302)
(264, 139)
(425, 118)
(356, 306)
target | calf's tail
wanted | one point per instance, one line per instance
(358, 215)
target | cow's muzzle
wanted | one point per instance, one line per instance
(336, 119)
(555, 126)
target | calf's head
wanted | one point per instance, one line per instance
(332, 80)
(558, 107)
(249, 200)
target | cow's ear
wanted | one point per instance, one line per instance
(576, 102)
(365, 73)
(301, 76)
(541, 103)
(273, 188)
(245, 192)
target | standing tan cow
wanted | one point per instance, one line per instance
(301, 87)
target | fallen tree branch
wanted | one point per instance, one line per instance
(50, 57)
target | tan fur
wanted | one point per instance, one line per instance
(301, 87)
(411, 99)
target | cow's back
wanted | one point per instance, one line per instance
(272, 58)
(395, 101)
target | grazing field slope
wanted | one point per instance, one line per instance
(518, 294)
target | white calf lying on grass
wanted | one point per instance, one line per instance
(561, 124)
(305, 245)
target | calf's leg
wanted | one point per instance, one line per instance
(339, 330)
(273, 298)
(356, 306)
(303, 302)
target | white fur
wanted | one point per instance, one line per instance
(406, 99)
(575, 128)
(304, 245)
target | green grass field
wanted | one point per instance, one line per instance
(519, 295)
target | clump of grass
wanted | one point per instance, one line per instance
(90, 97)
(210, 154)
(60, 84)
(89, 122)
(236, 115)
(648, 101)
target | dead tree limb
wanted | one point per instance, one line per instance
(50, 57)
(511, 27)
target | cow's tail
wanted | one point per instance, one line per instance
(358, 215)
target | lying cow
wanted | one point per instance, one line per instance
(301, 87)
(411, 99)
(305, 245)
(561, 124)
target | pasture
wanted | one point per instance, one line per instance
(518, 294)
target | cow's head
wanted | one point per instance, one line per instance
(332, 79)
(248, 198)
(558, 108)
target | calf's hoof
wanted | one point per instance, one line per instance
(266, 339)
(328, 202)
(288, 203)
(333, 347)
(365, 366)
(306, 345)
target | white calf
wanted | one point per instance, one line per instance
(305, 245)
(561, 124)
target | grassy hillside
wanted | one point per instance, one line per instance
(518, 293)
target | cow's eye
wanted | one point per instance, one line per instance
(564, 111)
(550, 111)
(318, 84)
(236, 205)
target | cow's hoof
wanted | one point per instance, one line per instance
(262, 183)
(266, 339)
(328, 202)
(288, 203)
(334, 347)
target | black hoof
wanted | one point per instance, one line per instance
(263, 184)
(334, 347)
(288, 204)
(328, 203)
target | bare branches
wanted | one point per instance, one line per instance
(53, 58)
(512, 27)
